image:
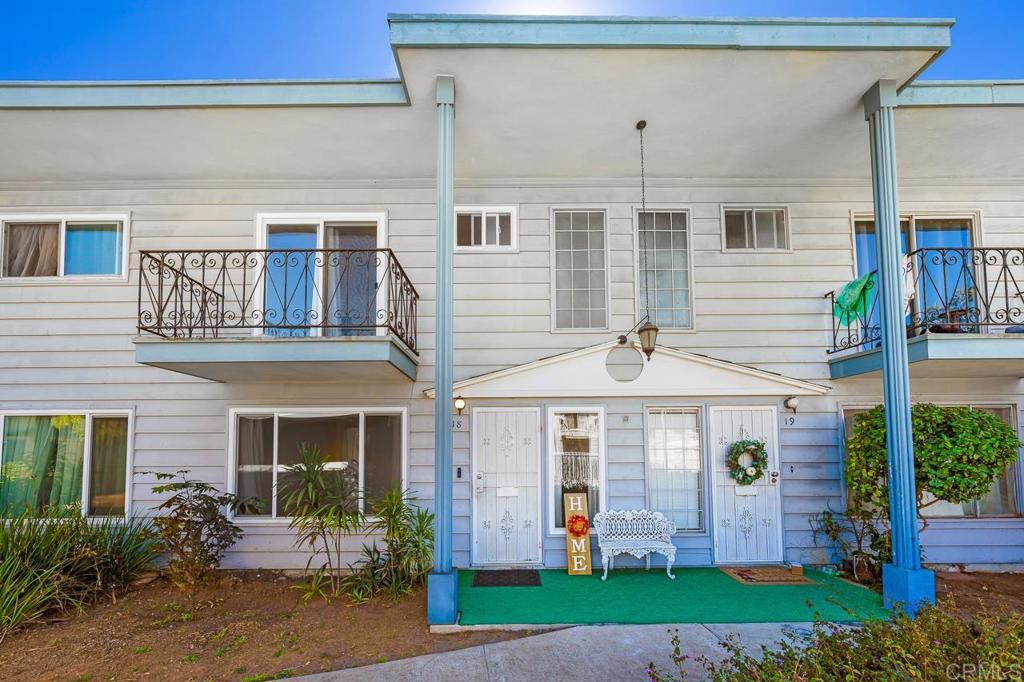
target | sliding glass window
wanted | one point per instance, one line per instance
(362, 453)
(55, 460)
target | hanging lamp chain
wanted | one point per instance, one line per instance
(640, 125)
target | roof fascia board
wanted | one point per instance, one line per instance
(176, 94)
(426, 30)
(962, 94)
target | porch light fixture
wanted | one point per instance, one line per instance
(460, 404)
(645, 329)
(792, 402)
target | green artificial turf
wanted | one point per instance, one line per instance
(697, 595)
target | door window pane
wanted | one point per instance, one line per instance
(581, 274)
(664, 286)
(43, 458)
(31, 249)
(92, 249)
(576, 460)
(290, 290)
(350, 274)
(674, 465)
(108, 462)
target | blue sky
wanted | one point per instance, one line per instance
(187, 39)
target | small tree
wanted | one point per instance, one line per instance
(195, 528)
(958, 453)
(323, 504)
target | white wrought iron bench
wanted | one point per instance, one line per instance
(638, 532)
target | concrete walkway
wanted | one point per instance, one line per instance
(616, 653)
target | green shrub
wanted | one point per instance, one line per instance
(937, 645)
(407, 556)
(195, 528)
(958, 453)
(58, 560)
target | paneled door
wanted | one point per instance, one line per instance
(747, 525)
(506, 485)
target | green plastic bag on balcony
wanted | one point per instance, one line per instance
(851, 301)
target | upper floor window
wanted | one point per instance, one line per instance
(755, 228)
(87, 246)
(663, 264)
(53, 460)
(482, 228)
(581, 276)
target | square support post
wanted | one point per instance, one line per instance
(905, 584)
(442, 584)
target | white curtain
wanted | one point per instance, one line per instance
(31, 250)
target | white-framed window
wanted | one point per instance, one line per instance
(368, 444)
(576, 459)
(1001, 499)
(486, 228)
(58, 247)
(663, 266)
(675, 472)
(580, 281)
(755, 228)
(56, 458)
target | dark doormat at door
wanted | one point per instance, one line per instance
(511, 578)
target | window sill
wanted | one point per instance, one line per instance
(68, 279)
(486, 249)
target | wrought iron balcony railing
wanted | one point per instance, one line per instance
(312, 292)
(949, 291)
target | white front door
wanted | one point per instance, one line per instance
(506, 485)
(747, 518)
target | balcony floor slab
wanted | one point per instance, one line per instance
(948, 356)
(275, 359)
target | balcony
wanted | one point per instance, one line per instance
(277, 315)
(964, 317)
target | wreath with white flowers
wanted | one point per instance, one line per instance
(745, 475)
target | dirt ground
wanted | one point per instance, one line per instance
(248, 629)
(972, 592)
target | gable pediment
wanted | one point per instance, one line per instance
(670, 372)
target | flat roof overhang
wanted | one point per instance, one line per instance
(945, 356)
(281, 360)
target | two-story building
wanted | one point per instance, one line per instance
(203, 275)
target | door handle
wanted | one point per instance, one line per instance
(479, 483)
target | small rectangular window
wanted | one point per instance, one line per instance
(755, 229)
(63, 248)
(581, 294)
(45, 459)
(480, 228)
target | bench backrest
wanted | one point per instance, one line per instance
(637, 524)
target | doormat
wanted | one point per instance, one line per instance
(764, 575)
(512, 578)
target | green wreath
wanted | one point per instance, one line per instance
(745, 475)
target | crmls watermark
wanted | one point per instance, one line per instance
(985, 672)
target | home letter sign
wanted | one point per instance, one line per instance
(577, 533)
